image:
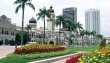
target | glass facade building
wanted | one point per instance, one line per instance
(70, 13)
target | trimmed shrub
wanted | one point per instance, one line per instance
(32, 48)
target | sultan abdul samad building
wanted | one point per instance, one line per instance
(7, 29)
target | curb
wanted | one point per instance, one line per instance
(2, 57)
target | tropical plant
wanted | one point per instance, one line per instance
(60, 19)
(22, 4)
(93, 33)
(78, 28)
(26, 37)
(43, 13)
(99, 36)
(87, 34)
(69, 26)
(28, 27)
(82, 33)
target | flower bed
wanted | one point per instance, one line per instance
(38, 48)
(97, 56)
(74, 59)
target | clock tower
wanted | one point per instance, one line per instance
(50, 22)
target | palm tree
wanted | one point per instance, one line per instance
(78, 28)
(71, 26)
(92, 34)
(82, 33)
(43, 13)
(99, 36)
(21, 4)
(86, 33)
(60, 19)
(28, 27)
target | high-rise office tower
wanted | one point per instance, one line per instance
(70, 13)
(92, 20)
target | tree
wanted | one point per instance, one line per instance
(71, 27)
(82, 33)
(78, 28)
(86, 33)
(92, 34)
(28, 27)
(60, 19)
(26, 37)
(99, 36)
(43, 13)
(22, 4)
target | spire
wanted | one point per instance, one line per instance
(51, 10)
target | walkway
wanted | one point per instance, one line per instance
(5, 50)
(61, 59)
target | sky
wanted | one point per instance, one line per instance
(8, 8)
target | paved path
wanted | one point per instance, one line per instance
(61, 59)
(4, 50)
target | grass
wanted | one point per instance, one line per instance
(24, 58)
(86, 48)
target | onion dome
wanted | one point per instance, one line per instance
(32, 20)
(51, 10)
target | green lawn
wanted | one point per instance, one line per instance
(12, 58)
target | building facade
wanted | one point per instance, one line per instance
(92, 20)
(7, 30)
(70, 13)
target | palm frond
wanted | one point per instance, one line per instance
(17, 2)
(48, 14)
(31, 5)
(17, 8)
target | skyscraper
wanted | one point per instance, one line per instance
(92, 20)
(70, 13)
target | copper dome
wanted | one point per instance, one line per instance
(51, 10)
(32, 20)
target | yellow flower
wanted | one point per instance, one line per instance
(103, 54)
